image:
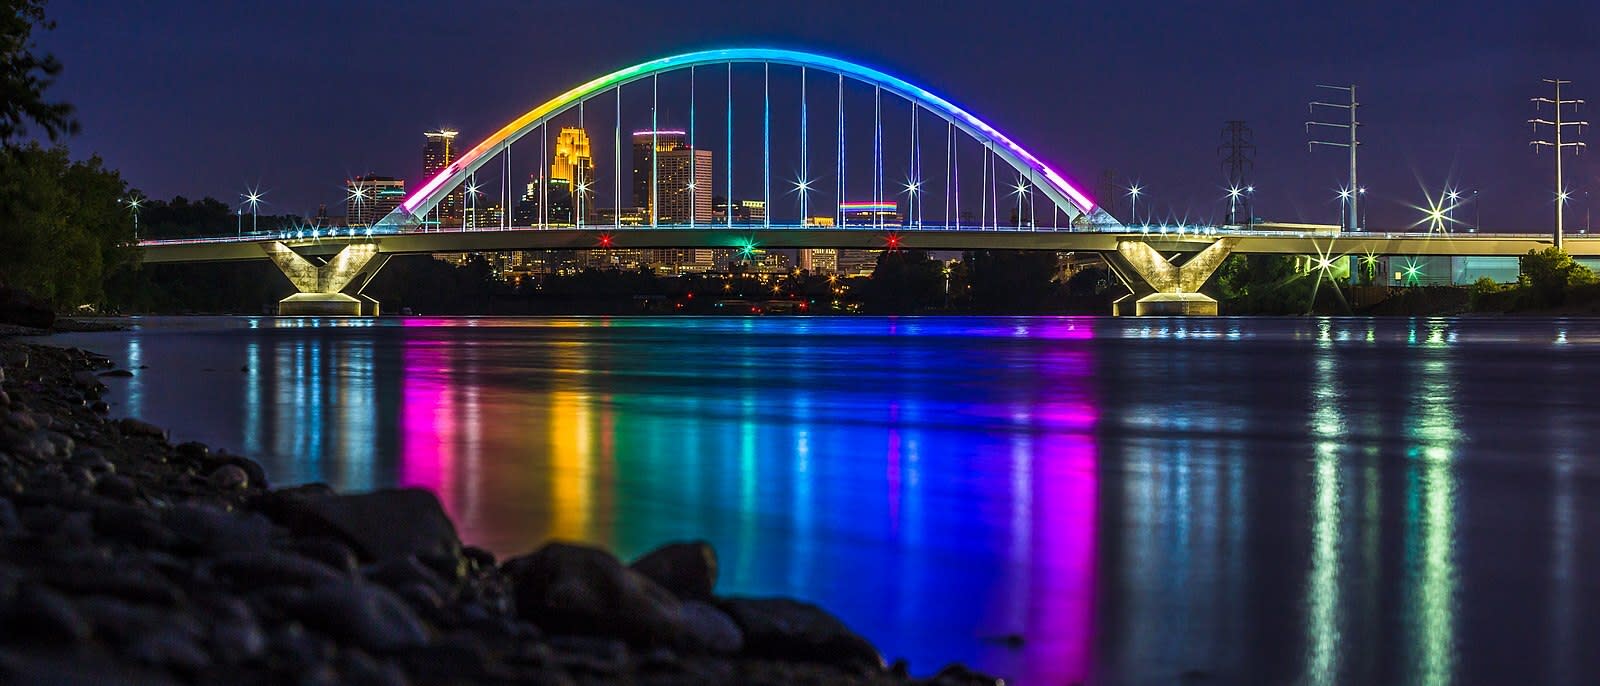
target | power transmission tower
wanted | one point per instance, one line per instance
(1558, 145)
(1238, 152)
(1354, 191)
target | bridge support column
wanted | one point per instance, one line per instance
(322, 286)
(1162, 288)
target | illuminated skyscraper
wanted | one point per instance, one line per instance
(437, 154)
(368, 198)
(572, 173)
(644, 160)
(677, 171)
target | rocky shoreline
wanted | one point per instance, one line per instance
(126, 559)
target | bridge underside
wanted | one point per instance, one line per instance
(1166, 273)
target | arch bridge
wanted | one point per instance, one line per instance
(934, 205)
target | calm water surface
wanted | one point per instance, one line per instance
(1317, 501)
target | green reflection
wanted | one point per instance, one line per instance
(1430, 523)
(1323, 619)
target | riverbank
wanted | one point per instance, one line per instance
(124, 558)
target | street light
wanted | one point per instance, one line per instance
(134, 202)
(1344, 205)
(1233, 204)
(1133, 193)
(1453, 195)
(253, 199)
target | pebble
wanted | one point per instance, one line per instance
(228, 478)
(688, 570)
(367, 615)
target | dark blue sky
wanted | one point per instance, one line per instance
(206, 98)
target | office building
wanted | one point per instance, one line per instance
(369, 198)
(646, 144)
(684, 183)
(437, 153)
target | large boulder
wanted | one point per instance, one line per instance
(379, 526)
(688, 570)
(784, 629)
(573, 589)
(19, 308)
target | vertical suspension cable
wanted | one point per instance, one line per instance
(766, 144)
(655, 152)
(805, 180)
(694, 159)
(616, 166)
(544, 175)
(955, 172)
(877, 153)
(578, 171)
(838, 199)
(727, 203)
(505, 186)
(916, 176)
(950, 128)
(1033, 211)
(983, 191)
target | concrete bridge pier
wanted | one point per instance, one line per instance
(1161, 288)
(321, 286)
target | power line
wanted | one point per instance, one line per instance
(1353, 193)
(1238, 151)
(1558, 127)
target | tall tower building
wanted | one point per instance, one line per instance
(437, 154)
(572, 173)
(676, 171)
(644, 160)
(369, 198)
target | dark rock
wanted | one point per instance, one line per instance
(784, 629)
(19, 308)
(957, 675)
(215, 531)
(364, 614)
(77, 668)
(360, 669)
(117, 487)
(10, 525)
(263, 569)
(164, 646)
(121, 373)
(707, 629)
(39, 613)
(136, 525)
(235, 634)
(98, 407)
(382, 525)
(123, 580)
(594, 655)
(407, 571)
(134, 427)
(86, 380)
(192, 451)
(688, 570)
(478, 556)
(566, 588)
(229, 478)
(298, 647)
(328, 551)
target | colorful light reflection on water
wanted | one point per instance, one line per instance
(1284, 501)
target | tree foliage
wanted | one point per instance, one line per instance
(1011, 281)
(1547, 275)
(61, 223)
(25, 75)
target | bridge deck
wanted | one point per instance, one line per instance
(1296, 242)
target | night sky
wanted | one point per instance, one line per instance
(206, 98)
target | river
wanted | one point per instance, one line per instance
(1054, 500)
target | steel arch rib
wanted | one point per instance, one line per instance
(434, 190)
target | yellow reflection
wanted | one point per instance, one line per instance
(572, 464)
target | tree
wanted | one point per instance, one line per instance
(25, 74)
(1548, 274)
(1011, 281)
(62, 223)
(905, 281)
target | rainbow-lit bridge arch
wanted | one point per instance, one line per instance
(1076, 206)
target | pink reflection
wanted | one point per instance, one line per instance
(428, 433)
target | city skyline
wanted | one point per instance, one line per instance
(1155, 119)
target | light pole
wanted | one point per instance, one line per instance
(1250, 206)
(1344, 206)
(1351, 128)
(1133, 195)
(134, 202)
(1450, 210)
(1233, 204)
(253, 198)
(1477, 213)
(1362, 191)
